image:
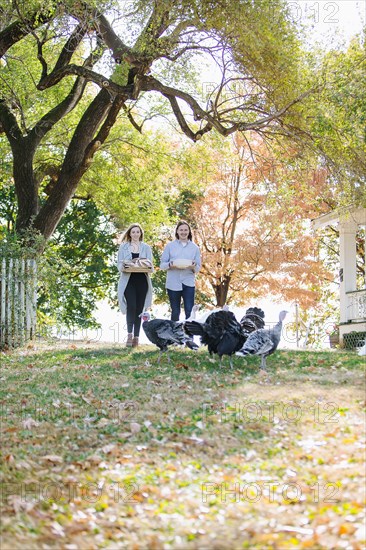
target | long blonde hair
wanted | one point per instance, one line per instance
(127, 234)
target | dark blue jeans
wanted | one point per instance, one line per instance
(175, 297)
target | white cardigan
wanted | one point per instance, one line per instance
(125, 254)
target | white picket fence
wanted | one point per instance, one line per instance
(18, 301)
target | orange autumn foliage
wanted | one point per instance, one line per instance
(253, 228)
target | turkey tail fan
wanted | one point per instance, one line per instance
(248, 325)
(193, 328)
(256, 311)
(256, 315)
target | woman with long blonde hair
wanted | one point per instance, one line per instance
(134, 289)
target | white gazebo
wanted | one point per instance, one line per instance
(352, 299)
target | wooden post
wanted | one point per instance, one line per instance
(3, 303)
(34, 297)
(16, 300)
(347, 260)
(9, 304)
(22, 302)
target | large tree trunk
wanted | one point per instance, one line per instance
(92, 130)
(79, 156)
(26, 187)
(221, 291)
(23, 148)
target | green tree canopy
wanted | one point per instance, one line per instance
(338, 116)
(70, 70)
(79, 266)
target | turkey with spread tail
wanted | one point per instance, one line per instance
(263, 342)
(222, 333)
(164, 333)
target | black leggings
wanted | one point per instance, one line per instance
(135, 295)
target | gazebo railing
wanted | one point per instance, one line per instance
(356, 307)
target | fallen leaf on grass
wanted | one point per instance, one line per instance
(9, 458)
(22, 465)
(52, 458)
(181, 366)
(135, 427)
(293, 529)
(194, 439)
(110, 449)
(103, 422)
(57, 529)
(95, 459)
(28, 423)
(346, 528)
(18, 503)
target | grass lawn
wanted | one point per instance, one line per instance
(104, 448)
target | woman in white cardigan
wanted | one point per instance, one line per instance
(134, 289)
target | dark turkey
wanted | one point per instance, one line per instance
(222, 333)
(164, 333)
(263, 342)
(253, 319)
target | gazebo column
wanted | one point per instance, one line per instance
(347, 257)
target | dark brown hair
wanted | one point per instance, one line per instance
(183, 222)
(127, 235)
